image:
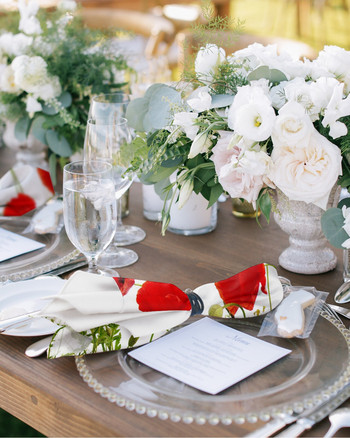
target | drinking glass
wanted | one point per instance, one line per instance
(110, 107)
(89, 210)
(109, 142)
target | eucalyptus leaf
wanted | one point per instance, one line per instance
(221, 100)
(160, 186)
(48, 109)
(135, 113)
(66, 99)
(37, 129)
(53, 167)
(332, 221)
(22, 128)
(263, 72)
(58, 144)
(172, 162)
(160, 174)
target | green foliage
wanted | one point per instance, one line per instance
(81, 59)
(108, 337)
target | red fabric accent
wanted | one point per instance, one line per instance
(154, 296)
(45, 177)
(243, 288)
(19, 205)
(124, 284)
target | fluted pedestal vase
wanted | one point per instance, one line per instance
(31, 151)
(309, 251)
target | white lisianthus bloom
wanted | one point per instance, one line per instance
(277, 95)
(20, 44)
(200, 144)
(185, 192)
(307, 95)
(337, 108)
(292, 127)
(50, 89)
(200, 103)
(241, 171)
(337, 61)
(186, 121)
(7, 81)
(32, 105)
(207, 60)
(29, 72)
(307, 174)
(251, 114)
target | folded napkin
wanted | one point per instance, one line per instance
(98, 313)
(24, 188)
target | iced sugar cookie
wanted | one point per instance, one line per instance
(290, 316)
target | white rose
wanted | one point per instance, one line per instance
(293, 126)
(207, 60)
(307, 174)
(251, 114)
(29, 72)
(7, 81)
(186, 121)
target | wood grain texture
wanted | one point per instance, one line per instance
(51, 396)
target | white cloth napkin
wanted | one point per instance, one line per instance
(24, 188)
(98, 313)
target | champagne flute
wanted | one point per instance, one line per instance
(89, 210)
(111, 107)
(109, 141)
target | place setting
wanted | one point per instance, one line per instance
(195, 317)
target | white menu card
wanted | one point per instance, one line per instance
(208, 355)
(13, 245)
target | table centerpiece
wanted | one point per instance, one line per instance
(253, 124)
(50, 66)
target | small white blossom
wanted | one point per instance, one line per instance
(200, 144)
(207, 61)
(185, 192)
(186, 121)
(200, 103)
(32, 105)
(337, 108)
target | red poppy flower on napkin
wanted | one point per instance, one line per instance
(98, 313)
(24, 188)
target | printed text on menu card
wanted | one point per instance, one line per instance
(208, 355)
(13, 245)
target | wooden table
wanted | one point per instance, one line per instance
(50, 395)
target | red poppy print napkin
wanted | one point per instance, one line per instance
(24, 188)
(97, 313)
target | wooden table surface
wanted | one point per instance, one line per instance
(50, 395)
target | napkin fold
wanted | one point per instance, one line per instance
(97, 313)
(24, 188)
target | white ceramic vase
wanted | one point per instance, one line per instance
(31, 151)
(309, 251)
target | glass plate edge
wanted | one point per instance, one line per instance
(297, 407)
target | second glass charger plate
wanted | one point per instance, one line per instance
(58, 251)
(317, 369)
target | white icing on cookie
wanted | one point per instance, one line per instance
(290, 316)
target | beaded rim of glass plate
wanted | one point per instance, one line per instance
(43, 269)
(267, 414)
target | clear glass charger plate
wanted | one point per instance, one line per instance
(317, 368)
(58, 251)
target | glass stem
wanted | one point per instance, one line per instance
(119, 214)
(92, 262)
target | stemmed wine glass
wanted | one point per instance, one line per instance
(109, 141)
(111, 107)
(90, 210)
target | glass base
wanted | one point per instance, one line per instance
(115, 257)
(128, 235)
(99, 270)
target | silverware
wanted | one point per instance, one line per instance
(7, 323)
(39, 347)
(339, 418)
(70, 266)
(302, 421)
(342, 295)
(341, 310)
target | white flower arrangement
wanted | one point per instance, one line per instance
(257, 122)
(49, 69)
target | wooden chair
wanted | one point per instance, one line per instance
(158, 31)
